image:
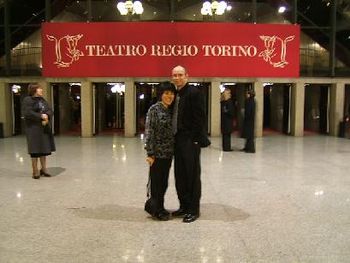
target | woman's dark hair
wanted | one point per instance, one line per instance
(32, 88)
(165, 86)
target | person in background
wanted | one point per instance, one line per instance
(189, 126)
(249, 121)
(226, 119)
(37, 115)
(159, 144)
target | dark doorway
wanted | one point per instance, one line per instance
(146, 96)
(67, 108)
(345, 125)
(323, 105)
(267, 106)
(286, 108)
(109, 108)
(276, 108)
(316, 109)
(19, 91)
(347, 101)
(238, 91)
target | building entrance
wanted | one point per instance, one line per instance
(238, 91)
(67, 108)
(18, 92)
(345, 125)
(109, 108)
(276, 108)
(146, 96)
(316, 109)
(347, 101)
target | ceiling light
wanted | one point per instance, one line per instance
(214, 8)
(118, 88)
(130, 7)
(16, 88)
(281, 9)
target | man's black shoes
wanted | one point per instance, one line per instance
(247, 150)
(189, 218)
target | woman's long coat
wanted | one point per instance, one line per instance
(249, 118)
(226, 116)
(39, 137)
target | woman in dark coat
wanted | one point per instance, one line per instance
(248, 123)
(37, 115)
(226, 119)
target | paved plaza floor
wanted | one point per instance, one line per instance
(288, 202)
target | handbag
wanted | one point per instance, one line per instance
(47, 127)
(150, 204)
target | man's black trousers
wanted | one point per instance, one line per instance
(187, 173)
(226, 141)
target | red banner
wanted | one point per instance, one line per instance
(152, 49)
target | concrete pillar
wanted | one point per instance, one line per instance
(130, 109)
(6, 109)
(336, 111)
(259, 108)
(86, 109)
(214, 109)
(297, 109)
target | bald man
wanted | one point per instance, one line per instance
(189, 125)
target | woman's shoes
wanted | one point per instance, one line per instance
(36, 176)
(39, 173)
(162, 215)
(44, 173)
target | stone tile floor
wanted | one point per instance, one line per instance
(289, 202)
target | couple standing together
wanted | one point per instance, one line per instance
(175, 126)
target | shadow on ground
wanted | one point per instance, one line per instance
(54, 171)
(209, 212)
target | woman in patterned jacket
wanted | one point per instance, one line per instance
(160, 149)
